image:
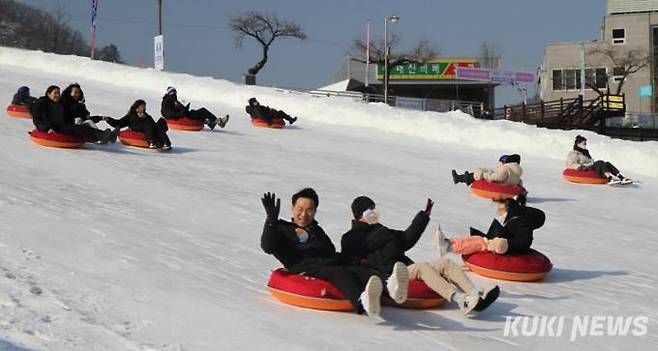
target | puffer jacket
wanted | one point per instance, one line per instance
(578, 160)
(508, 173)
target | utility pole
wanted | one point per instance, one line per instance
(159, 17)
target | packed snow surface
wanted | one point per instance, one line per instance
(118, 248)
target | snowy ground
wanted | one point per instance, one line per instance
(117, 248)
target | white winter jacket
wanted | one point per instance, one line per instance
(578, 160)
(508, 173)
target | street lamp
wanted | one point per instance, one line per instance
(392, 19)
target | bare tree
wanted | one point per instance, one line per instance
(423, 51)
(624, 63)
(491, 55)
(264, 28)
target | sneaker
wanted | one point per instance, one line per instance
(154, 146)
(487, 297)
(441, 244)
(397, 284)
(467, 303)
(371, 295)
(613, 180)
(624, 180)
(212, 123)
(166, 147)
(223, 121)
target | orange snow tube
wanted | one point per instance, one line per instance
(583, 177)
(496, 191)
(55, 140)
(19, 111)
(309, 292)
(529, 267)
(132, 138)
(184, 123)
(261, 123)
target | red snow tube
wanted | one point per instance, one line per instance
(529, 267)
(261, 123)
(55, 140)
(19, 111)
(496, 191)
(185, 123)
(583, 177)
(308, 292)
(132, 138)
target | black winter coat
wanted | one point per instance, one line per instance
(517, 228)
(47, 114)
(279, 239)
(380, 245)
(23, 100)
(171, 108)
(77, 109)
(132, 121)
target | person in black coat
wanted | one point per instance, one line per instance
(23, 98)
(376, 245)
(139, 121)
(50, 115)
(379, 245)
(256, 110)
(171, 108)
(303, 247)
(513, 236)
(73, 99)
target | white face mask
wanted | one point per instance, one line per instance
(371, 215)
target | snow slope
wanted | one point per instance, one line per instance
(116, 248)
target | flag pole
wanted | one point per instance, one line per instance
(94, 10)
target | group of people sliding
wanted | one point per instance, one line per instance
(373, 257)
(509, 169)
(65, 112)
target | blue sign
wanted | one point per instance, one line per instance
(646, 91)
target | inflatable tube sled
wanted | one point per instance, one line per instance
(55, 140)
(184, 123)
(261, 123)
(132, 138)
(583, 177)
(529, 267)
(308, 292)
(19, 111)
(496, 191)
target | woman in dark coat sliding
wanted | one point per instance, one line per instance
(513, 236)
(139, 121)
(50, 115)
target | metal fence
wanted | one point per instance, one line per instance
(473, 108)
(634, 120)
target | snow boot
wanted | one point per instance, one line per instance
(488, 297)
(397, 284)
(371, 295)
(223, 121)
(292, 120)
(466, 178)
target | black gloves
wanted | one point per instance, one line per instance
(428, 207)
(271, 208)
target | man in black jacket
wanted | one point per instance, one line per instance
(171, 108)
(256, 110)
(303, 247)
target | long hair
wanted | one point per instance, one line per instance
(66, 94)
(135, 105)
(51, 88)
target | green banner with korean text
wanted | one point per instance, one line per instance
(435, 69)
